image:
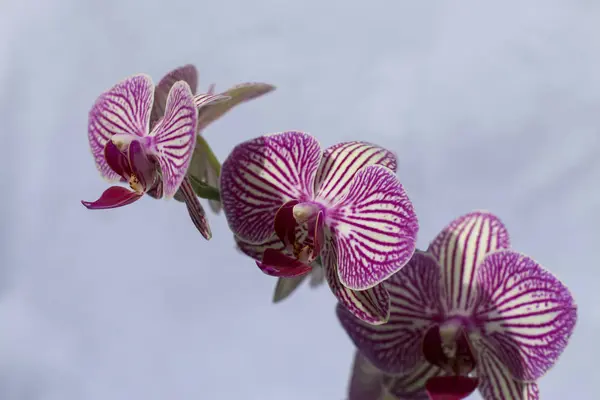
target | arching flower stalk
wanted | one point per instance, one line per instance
(289, 203)
(469, 313)
(152, 156)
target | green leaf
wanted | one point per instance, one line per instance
(208, 153)
(204, 190)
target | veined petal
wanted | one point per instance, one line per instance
(286, 286)
(175, 137)
(460, 248)
(122, 110)
(262, 174)
(412, 384)
(528, 314)
(396, 347)
(237, 95)
(366, 381)
(195, 209)
(341, 162)
(187, 73)
(370, 306)
(113, 197)
(496, 382)
(204, 99)
(375, 227)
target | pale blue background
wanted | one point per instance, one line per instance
(490, 105)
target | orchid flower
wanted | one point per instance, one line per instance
(469, 313)
(128, 148)
(288, 203)
(205, 166)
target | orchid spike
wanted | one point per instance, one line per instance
(126, 147)
(469, 313)
(288, 203)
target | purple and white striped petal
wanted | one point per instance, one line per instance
(366, 381)
(195, 209)
(206, 99)
(396, 347)
(375, 228)
(237, 95)
(187, 73)
(342, 161)
(262, 174)
(528, 314)
(496, 382)
(175, 137)
(123, 110)
(460, 248)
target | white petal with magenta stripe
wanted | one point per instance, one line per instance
(528, 314)
(175, 137)
(262, 174)
(122, 110)
(187, 73)
(342, 161)
(496, 382)
(460, 248)
(396, 347)
(375, 228)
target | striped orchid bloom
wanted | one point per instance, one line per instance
(469, 313)
(289, 203)
(204, 165)
(149, 155)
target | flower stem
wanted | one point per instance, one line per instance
(212, 159)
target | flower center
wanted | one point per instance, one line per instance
(448, 347)
(305, 212)
(135, 184)
(300, 227)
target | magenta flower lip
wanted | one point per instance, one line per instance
(469, 306)
(288, 203)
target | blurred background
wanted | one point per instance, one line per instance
(488, 105)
